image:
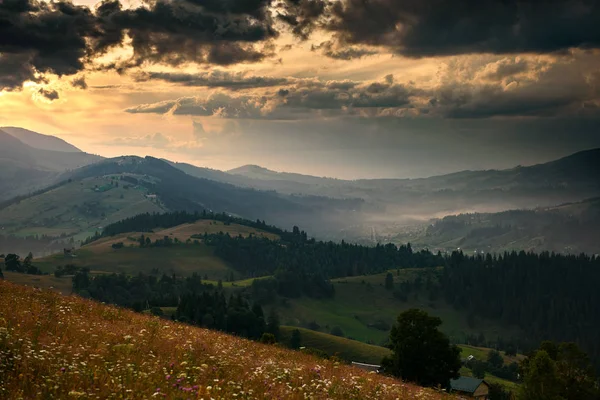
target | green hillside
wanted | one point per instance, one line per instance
(346, 349)
(568, 228)
(365, 310)
(183, 260)
(354, 351)
(77, 209)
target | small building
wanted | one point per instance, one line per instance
(367, 367)
(470, 388)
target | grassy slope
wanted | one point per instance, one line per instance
(62, 210)
(45, 341)
(62, 285)
(346, 349)
(357, 304)
(180, 260)
(352, 350)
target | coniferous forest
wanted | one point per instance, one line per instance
(549, 296)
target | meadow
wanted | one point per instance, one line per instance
(54, 346)
(363, 308)
(76, 209)
(100, 256)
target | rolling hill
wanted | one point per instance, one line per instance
(40, 141)
(101, 257)
(569, 179)
(46, 339)
(399, 209)
(24, 168)
(173, 190)
(364, 310)
(567, 228)
(75, 209)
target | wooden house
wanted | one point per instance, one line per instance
(466, 387)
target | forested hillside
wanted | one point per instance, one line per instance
(567, 228)
(547, 296)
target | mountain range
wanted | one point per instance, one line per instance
(30, 161)
(365, 210)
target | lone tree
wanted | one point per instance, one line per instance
(389, 281)
(296, 339)
(273, 324)
(421, 353)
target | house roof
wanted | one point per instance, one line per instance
(368, 367)
(466, 384)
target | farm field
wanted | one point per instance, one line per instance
(46, 339)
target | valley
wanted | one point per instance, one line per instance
(192, 245)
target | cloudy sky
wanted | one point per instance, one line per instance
(346, 88)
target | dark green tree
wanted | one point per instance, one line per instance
(268, 338)
(478, 369)
(12, 262)
(421, 353)
(296, 339)
(494, 359)
(337, 331)
(577, 373)
(497, 392)
(273, 324)
(572, 369)
(389, 281)
(541, 380)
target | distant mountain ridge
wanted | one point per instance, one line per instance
(258, 172)
(24, 168)
(571, 166)
(566, 228)
(40, 141)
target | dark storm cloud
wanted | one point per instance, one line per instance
(295, 102)
(511, 87)
(492, 101)
(38, 37)
(214, 79)
(49, 94)
(79, 83)
(418, 28)
(466, 91)
(301, 15)
(329, 49)
(174, 32)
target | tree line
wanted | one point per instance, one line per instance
(32, 243)
(303, 266)
(196, 302)
(148, 221)
(547, 295)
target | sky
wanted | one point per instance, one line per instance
(343, 88)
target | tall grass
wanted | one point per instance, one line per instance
(65, 347)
